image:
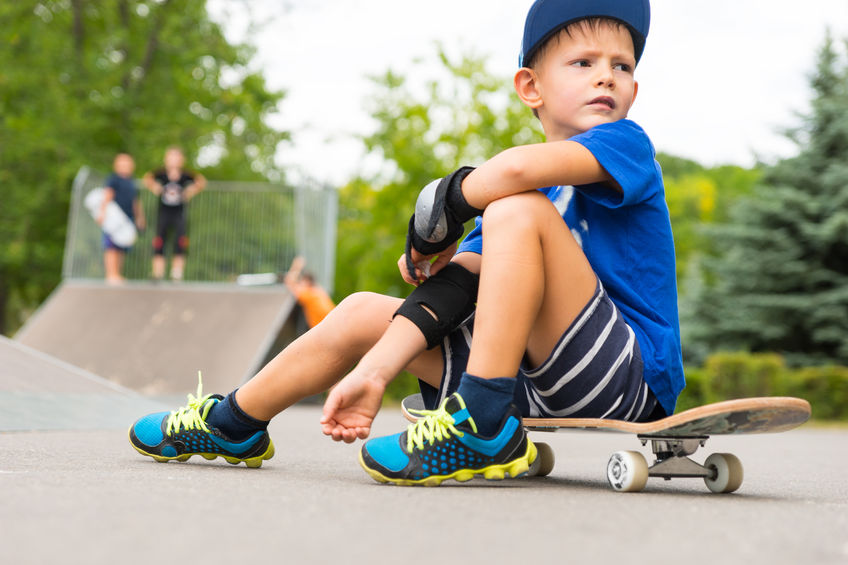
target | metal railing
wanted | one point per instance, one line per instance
(234, 228)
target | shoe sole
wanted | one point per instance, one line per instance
(252, 462)
(512, 469)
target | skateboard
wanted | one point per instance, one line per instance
(116, 224)
(673, 439)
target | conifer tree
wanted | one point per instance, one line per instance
(780, 282)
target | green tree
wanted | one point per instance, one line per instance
(82, 80)
(463, 117)
(698, 197)
(781, 282)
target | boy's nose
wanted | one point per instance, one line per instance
(606, 79)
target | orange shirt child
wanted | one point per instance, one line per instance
(316, 303)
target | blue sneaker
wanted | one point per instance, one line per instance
(165, 436)
(444, 444)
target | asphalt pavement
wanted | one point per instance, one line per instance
(84, 496)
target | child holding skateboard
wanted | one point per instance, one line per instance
(175, 187)
(120, 188)
(564, 305)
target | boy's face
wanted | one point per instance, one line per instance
(124, 165)
(174, 159)
(582, 79)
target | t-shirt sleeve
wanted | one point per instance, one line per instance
(473, 242)
(625, 152)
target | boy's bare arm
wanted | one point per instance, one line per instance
(445, 204)
(292, 276)
(195, 187)
(108, 196)
(529, 167)
(353, 403)
(199, 182)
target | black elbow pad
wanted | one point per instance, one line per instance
(442, 302)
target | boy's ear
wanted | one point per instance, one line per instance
(526, 86)
(632, 100)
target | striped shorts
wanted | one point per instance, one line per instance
(594, 371)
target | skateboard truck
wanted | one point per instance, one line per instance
(672, 457)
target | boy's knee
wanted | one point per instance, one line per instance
(524, 210)
(352, 308)
(361, 314)
(356, 303)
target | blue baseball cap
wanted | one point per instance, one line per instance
(546, 17)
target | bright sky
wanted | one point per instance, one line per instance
(719, 79)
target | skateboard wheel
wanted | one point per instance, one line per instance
(544, 463)
(728, 472)
(627, 471)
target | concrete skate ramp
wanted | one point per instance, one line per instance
(39, 392)
(155, 338)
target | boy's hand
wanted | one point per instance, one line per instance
(298, 263)
(351, 406)
(423, 268)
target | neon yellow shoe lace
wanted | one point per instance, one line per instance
(192, 415)
(434, 425)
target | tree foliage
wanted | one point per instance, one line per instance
(697, 197)
(82, 80)
(781, 282)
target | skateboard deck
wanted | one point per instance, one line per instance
(672, 439)
(116, 224)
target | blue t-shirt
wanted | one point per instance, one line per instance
(125, 193)
(626, 236)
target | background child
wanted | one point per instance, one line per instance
(120, 188)
(175, 187)
(313, 299)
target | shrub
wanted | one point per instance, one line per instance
(826, 389)
(697, 391)
(726, 376)
(739, 375)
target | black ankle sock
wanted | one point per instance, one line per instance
(234, 422)
(487, 400)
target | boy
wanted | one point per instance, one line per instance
(120, 187)
(175, 187)
(576, 311)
